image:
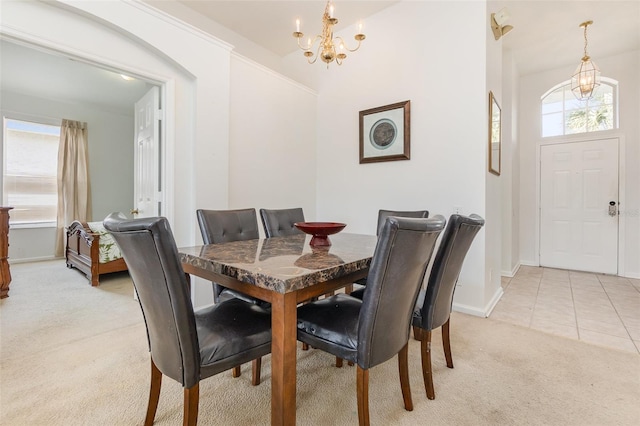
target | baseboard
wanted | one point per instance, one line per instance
(33, 259)
(512, 273)
(494, 300)
(466, 309)
(528, 263)
(472, 310)
(634, 276)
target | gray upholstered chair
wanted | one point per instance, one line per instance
(433, 307)
(279, 222)
(382, 217)
(371, 331)
(222, 226)
(384, 214)
(185, 345)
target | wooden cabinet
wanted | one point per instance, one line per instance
(5, 273)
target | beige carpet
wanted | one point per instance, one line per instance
(71, 354)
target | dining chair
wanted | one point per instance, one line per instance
(382, 216)
(371, 331)
(222, 226)
(280, 222)
(433, 307)
(186, 345)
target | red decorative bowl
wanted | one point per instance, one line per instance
(320, 231)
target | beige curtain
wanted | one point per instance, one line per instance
(74, 189)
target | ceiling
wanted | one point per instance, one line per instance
(546, 34)
(271, 24)
(66, 79)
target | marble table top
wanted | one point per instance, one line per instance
(283, 264)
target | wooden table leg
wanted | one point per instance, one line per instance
(283, 359)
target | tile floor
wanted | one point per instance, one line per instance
(595, 308)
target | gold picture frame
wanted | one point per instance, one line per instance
(385, 133)
(495, 135)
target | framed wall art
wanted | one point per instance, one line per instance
(385, 133)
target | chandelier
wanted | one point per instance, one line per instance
(587, 76)
(329, 48)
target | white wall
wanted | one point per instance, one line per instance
(146, 43)
(110, 142)
(624, 68)
(494, 184)
(445, 79)
(272, 150)
(197, 92)
(510, 168)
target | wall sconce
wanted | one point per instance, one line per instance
(497, 23)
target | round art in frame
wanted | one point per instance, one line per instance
(383, 133)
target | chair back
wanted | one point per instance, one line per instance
(222, 226)
(384, 214)
(447, 264)
(398, 267)
(279, 223)
(150, 251)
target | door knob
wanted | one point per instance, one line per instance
(135, 211)
(613, 211)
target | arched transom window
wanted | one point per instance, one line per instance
(563, 114)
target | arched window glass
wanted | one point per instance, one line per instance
(563, 114)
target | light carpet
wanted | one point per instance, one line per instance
(72, 354)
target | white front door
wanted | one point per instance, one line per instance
(147, 190)
(579, 206)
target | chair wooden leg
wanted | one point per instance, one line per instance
(350, 363)
(417, 333)
(236, 372)
(338, 362)
(154, 394)
(305, 346)
(191, 396)
(425, 349)
(256, 366)
(447, 344)
(362, 377)
(403, 369)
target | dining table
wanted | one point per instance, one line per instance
(284, 271)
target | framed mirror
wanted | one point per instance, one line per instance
(495, 136)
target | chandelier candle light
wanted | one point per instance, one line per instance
(329, 49)
(586, 78)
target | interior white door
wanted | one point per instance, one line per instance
(579, 206)
(147, 190)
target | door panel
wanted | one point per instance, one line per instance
(147, 195)
(578, 180)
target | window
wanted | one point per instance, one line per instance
(563, 114)
(29, 177)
